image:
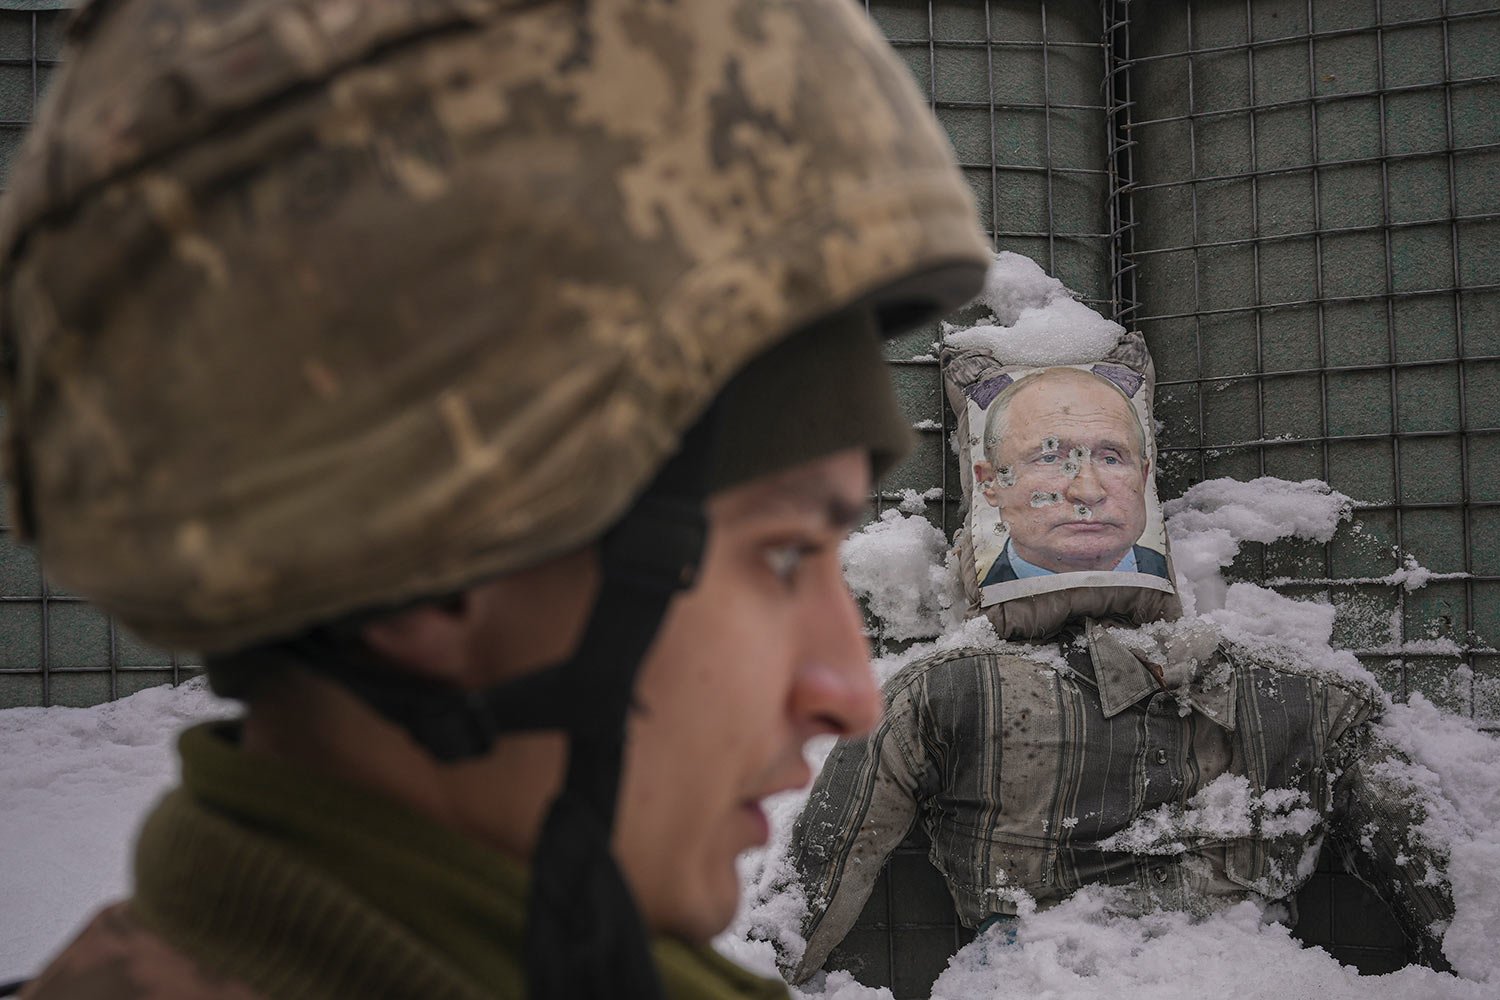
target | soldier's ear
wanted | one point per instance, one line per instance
(430, 639)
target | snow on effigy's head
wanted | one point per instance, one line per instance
(1037, 320)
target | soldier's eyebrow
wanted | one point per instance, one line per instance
(829, 503)
(841, 513)
(844, 516)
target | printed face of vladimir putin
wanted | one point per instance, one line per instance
(1067, 469)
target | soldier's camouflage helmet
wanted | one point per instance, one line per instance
(309, 307)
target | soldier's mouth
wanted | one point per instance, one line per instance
(758, 824)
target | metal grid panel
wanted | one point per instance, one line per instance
(54, 647)
(1016, 85)
(907, 931)
(1314, 246)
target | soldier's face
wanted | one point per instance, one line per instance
(763, 654)
(1071, 479)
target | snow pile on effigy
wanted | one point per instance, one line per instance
(1215, 518)
(1225, 807)
(1212, 521)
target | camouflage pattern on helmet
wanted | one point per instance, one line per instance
(315, 306)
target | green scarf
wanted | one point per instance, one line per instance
(304, 886)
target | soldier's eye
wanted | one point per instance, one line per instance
(785, 560)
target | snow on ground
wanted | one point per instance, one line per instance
(75, 784)
(1455, 772)
(1080, 950)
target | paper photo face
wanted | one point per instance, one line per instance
(1064, 483)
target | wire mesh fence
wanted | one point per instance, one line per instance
(54, 647)
(1297, 201)
(1314, 256)
(1294, 200)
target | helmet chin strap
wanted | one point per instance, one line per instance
(584, 935)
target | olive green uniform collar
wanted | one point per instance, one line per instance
(304, 886)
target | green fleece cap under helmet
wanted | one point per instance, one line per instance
(820, 391)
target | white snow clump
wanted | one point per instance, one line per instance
(1224, 808)
(1090, 948)
(1455, 774)
(75, 785)
(1210, 522)
(896, 564)
(1037, 321)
